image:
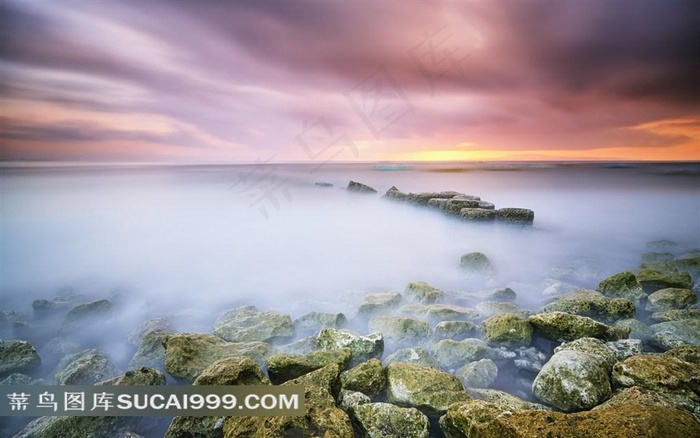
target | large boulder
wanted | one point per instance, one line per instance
(671, 298)
(239, 370)
(507, 329)
(400, 332)
(367, 378)
(322, 418)
(688, 353)
(561, 326)
(451, 354)
(479, 419)
(655, 277)
(622, 285)
(479, 374)
(676, 333)
(151, 352)
(16, 356)
(573, 381)
(85, 368)
(361, 347)
(422, 292)
(592, 304)
(283, 367)
(188, 354)
(427, 389)
(388, 421)
(594, 347)
(247, 324)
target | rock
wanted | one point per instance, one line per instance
(16, 379)
(456, 330)
(572, 381)
(85, 368)
(302, 346)
(400, 332)
(414, 355)
(685, 331)
(478, 419)
(671, 298)
(560, 326)
(396, 194)
(530, 359)
(427, 389)
(622, 285)
(592, 304)
(423, 293)
(389, 421)
(476, 263)
(283, 367)
(323, 184)
(313, 322)
(359, 187)
(479, 374)
(505, 401)
(651, 257)
(188, 354)
(625, 348)
(687, 353)
(362, 348)
(17, 356)
(97, 427)
(478, 214)
(153, 325)
(592, 346)
(437, 203)
(379, 302)
(455, 206)
(500, 294)
(425, 197)
(637, 395)
(239, 370)
(247, 324)
(451, 354)
(655, 278)
(490, 308)
(352, 398)
(367, 378)
(322, 419)
(83, 314)
(434, 313)
(151, 352)
(507, 329)
(516, 215)
(638, 330)
(675, 315)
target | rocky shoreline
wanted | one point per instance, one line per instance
(622, 360)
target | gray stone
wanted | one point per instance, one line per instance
(400, 332)
(247, 324)
(379, 302)
(479, 374)
(413, 355)
(354, 186)
(85, 368)
(313, 322)
(476, 263)
(352, 398)
(592, 304)
(670, 299)
(478, 214)
(434, 313)
(362, 348)
(16, 356)
(622, 285)
(456, 330)
(451, 354)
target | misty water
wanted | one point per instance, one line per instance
(193, 241)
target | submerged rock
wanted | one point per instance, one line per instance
(670, 299)
(427, 389)
(247, 324)
(82, 314)
(152, 325)
(354, 186)
(572, 381)
(362, 348)
(388, 421)
(17, 356)
(85, 368)
(188, 354)
(367, 378)
(283, 367)
(592, 304)
(530, 359)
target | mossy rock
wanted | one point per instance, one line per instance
(563, 326)
(422, 292)
(84, 313)
(368, 378)
(479, 374)
(655, 277)
(361, 347)
(622, 285)
(637, 329)
(283, 367)
(414, 355)
(507, 329)
(151, 352)
(675, 315)
(592, 304)
(389, 421)
(686, 331)
(687, 353)
(592, 346)
(379, 302)
(656, 372)
(85, 368)
(670, 299)
(17, 356)
(476, 263)
(504, 400)
(434, 313)
(489, 308)
(451, 354)
(247, 324)
(456, 330)
(313, 322)
(143, 376)
(427, 389)
(400, 332)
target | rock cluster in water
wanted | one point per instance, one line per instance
(621, 360)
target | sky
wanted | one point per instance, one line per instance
(218, 82)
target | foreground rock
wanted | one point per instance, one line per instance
(573, 381)
(322, 419)
(429, 390)
(561, 326)
(16, 356)
(505, 401)
(389, 421)
(188, 354)
(85, 368)
(478, 419)
(283, 367)
(81, 427)
(656, 277)
(367, 378)
(361, 347)
(247, 324)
